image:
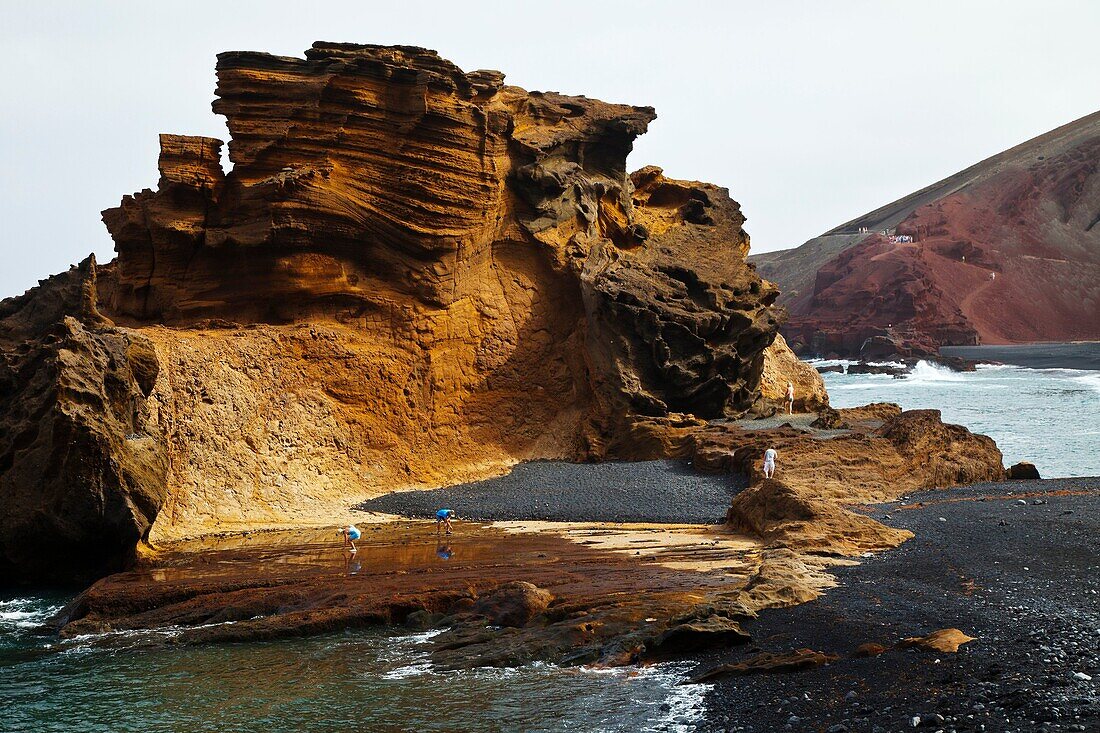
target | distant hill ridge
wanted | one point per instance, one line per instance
(1007, 250)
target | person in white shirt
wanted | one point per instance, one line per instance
(769, 462)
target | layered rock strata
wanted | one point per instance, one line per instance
(411, 275)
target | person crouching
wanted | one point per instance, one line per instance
(350, 533)
(443, 519)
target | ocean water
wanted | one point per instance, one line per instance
(366, 680)
(1050, 417)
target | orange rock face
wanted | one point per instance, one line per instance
(411, 275)
(944, 640)
(384, 189)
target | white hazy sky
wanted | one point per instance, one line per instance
(811, 113)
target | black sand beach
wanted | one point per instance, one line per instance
(1019, 569)
(1081, 355)
(645, 491)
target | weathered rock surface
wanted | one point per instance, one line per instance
(782, 515)
(885, 454)
(385, 188)
(1007, 250)
(501, 598)
(782, 366)
(412, 275)
(1023, 470)
(512, 604)
(947, 641)
(80, 484)
(770, 663)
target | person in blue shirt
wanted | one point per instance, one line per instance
(350, 533)
(443, 518)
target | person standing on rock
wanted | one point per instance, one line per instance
(443, 518)
(790, 398)
(350, 533)
(769, 462)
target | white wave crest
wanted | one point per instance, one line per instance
(24, 613)
(1091, 381)
(927, 372)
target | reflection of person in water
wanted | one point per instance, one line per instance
(352, 564)
(444, 552)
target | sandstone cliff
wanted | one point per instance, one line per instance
(1007, 250)
(411, 275)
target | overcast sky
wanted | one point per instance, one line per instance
(811, 113)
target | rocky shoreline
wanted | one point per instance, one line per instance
(582, 591)
(1012, 564)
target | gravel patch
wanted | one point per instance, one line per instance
(644, 491)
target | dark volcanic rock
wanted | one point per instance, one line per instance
(864, 368)
(78, 486)
(1023, 470)
(512, 604)
(709, 632)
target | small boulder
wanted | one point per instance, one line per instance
(706, 633)
(870, 649)
(1022, 471)
(513, 604)
(947, 641)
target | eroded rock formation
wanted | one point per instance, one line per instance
(411, 275)
(781, 367)
(886, 454)
(80, 483)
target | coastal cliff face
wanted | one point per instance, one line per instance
(80, 483)
(1005, 251)
(411, 275)
(384, 189)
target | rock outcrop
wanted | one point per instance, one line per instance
(411, 275)
(808, 505)
(383, 187)
(1023, 470)
(781, 367)
(1007, 250)
(80, 483)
